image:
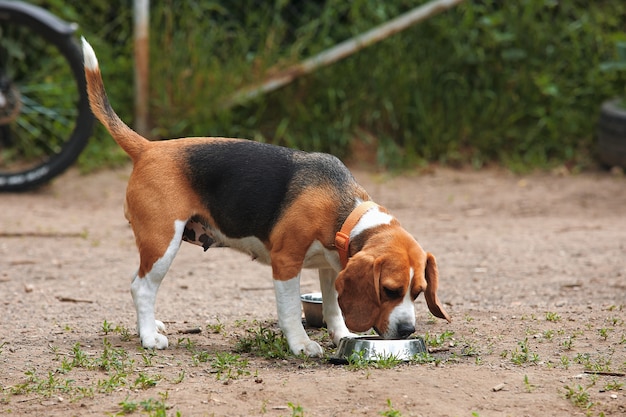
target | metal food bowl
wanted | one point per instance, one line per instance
(374, 348)
(312, 306)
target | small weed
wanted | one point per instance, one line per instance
(390, 411)
(147, 355)
(66, 366)
(180, 378)
(527, 385)
(578, 396)
(113, 358)
(387, 361)
(601, 364)
(296, 410)
(265, 342)
(604, 332)
(548, 334)
(229, 366)
(197, 356)
(200, 356)
(438, 340)
(565, 362)
(582, 358)
(615, 321)
(553, 317)
(186, 343)
(613, 386)
(80, 358)
(124, 333)
(128, 407)
(357, 360)
(523, 354)
(423, 357)
(215, 328)
(568, 343)
(106, 327)
(112, 383)
(470, 350)
(157, 408)
(144, 381)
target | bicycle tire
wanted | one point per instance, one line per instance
(58, 34)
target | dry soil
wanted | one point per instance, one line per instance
(532, 270)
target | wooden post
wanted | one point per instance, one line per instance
(141, 9)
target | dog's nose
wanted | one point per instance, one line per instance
(405, 330)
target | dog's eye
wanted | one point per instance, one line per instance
(392, 293)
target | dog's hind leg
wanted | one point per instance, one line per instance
(146, 283)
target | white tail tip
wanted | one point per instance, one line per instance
(89, 56)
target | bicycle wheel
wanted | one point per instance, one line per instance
(45, 119)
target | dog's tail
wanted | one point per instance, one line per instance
(132, 143)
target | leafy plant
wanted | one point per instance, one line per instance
(552, 316)
(296, 410)
(578, 396)
(229, 366)
(523, 354)
(613, 386)
(360, 360)
(265, 342)
(528, 75)
(390, 411)
(617, 65)
(435, 340)
(527, 385)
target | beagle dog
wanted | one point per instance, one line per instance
(286, 208)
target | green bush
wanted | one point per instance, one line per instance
(517, 83)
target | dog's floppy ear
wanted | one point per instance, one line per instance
(432, 281)
(358, 293)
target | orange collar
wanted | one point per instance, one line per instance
(342, 238)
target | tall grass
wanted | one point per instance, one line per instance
(517, 83)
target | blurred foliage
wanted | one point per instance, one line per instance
(517, 83)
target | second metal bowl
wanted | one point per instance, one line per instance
(312, 306)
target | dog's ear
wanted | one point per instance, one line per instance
(432, 281)
(358, 293)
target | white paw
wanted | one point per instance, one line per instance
(160, 326)
(338, 335)
(155, 341)
(309, 348)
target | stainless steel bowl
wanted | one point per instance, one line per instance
(312, 306)
(374, 348)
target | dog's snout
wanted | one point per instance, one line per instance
(405, 330)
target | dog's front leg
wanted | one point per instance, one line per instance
(290, 317)
(332, 313)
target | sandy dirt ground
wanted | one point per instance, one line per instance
(532, 271)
